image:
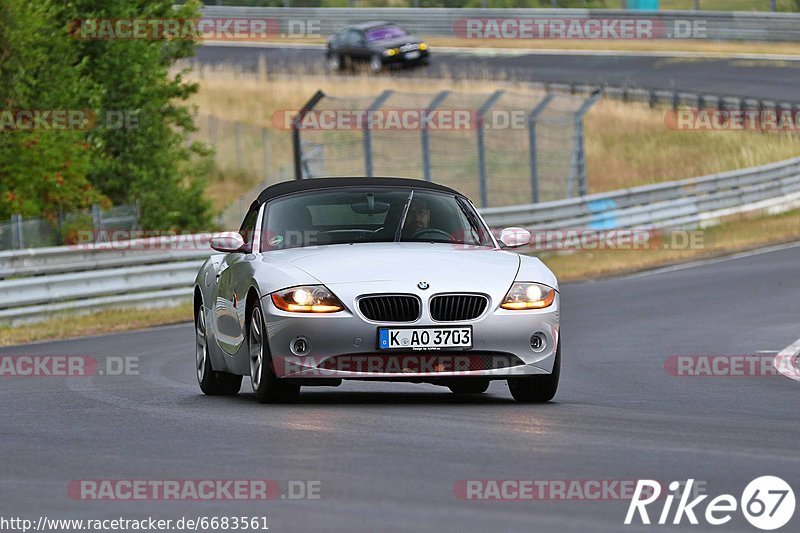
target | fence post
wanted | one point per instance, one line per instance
(577, 164)
(296, 127)
(17, 239)
(426, 143)
(377, 103)
(532, 149)
(483, 178)
(265, 142)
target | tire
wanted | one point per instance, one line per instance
(469, 386)
(375, 63)
(212, 382)
(267, 387)
(539, 388)
(335, 62)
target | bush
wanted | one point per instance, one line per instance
(147, 160)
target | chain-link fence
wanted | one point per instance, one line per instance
(249, 155)
(501, 148)
(67, 228)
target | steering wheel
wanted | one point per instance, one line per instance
(419, 233)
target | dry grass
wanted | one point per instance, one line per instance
(722, 48)
(738, 234)
(109, 321)
(629, 145)
(626, 144)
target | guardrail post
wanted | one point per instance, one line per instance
(483, 178)
(426, 142)
(97, 218)
(296, 127)
(577, 164)
(374, 106)
(532, 149)
(17, 238)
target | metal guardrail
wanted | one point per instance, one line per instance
(691, 202)
(733, 26)
(40, 282)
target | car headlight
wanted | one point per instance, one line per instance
(423, 46)
(307, 299)
(391, 52)
(529, 296)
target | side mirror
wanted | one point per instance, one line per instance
(515, 237)
(228, 241)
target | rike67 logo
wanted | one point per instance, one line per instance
(767, 503)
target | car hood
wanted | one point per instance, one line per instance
(372, 262)
(397, 42)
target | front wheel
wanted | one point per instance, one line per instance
(212, 382)
(375, 63)
(266, 386)
(335, 62)
(539, 388)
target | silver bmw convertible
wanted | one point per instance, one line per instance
(373, 279)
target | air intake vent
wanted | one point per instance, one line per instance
(390, 308)
(457, 307)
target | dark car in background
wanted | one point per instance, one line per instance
(377, 44)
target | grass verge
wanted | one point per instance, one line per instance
(627, 144)
(735, 235)
(108, 321)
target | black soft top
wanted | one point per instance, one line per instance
(289, 187)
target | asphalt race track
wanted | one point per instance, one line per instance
(766, 79)
(387, 455)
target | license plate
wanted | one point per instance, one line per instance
(424, 338)
(412, 55)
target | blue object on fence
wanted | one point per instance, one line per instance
(604, 214)
(644, 5)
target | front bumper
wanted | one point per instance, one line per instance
(404, 59)
(344, 346)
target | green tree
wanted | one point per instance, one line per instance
(149, 162)
(41, 172)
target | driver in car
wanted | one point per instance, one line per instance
(418, 217)
(418, 223)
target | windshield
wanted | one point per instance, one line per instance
(383, 33)
(340, 216)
